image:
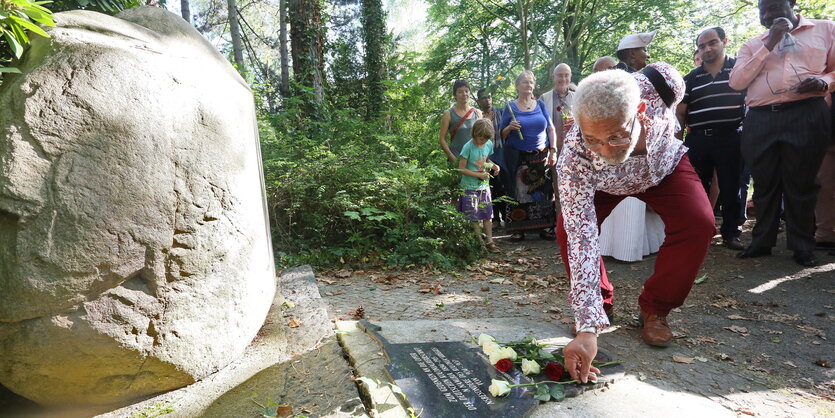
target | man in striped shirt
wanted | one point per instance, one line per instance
(714, 112)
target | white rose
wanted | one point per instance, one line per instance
(502, 353)
(510, 353)
(530, 367)
(499, 388)
(489, 348)
(484, 339)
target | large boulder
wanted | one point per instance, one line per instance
(135, 253)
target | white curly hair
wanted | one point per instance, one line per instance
(607, 95)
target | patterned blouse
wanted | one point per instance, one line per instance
(582, 172)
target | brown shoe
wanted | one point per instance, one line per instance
(655, 329)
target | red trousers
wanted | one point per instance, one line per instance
(689, 226)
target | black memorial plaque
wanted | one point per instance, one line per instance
(451, 379)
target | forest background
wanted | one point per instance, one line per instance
(350, 94)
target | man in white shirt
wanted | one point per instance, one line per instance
(559, 100)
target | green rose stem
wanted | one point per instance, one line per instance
(513, 116)
(544, 381)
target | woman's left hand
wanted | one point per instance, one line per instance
(552, 157)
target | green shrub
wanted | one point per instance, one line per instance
(341, 190)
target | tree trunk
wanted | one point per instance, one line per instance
(185, 10)
(374, 37)
(235, 32)
(285, 59)
(307, 46)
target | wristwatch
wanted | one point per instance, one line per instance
(592, 330)
(824, 86)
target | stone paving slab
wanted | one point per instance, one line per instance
(627, 397)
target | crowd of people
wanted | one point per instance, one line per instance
(657, 153)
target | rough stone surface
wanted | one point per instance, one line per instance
(134, 250)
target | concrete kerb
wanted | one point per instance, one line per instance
(366, 357)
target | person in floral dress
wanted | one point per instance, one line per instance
(623, 144)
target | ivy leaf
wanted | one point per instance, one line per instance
(372, 385)
(542, 393)
(557, 392)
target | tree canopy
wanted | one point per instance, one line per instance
(349, 105)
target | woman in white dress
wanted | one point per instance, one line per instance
(631, 231)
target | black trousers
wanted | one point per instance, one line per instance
(720, 152)
(784, 150)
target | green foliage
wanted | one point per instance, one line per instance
(17, 19)
(374, 37)
(344, 189)
(110, 7)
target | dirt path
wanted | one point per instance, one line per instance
(756, 331)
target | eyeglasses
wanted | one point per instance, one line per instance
(781, 91)
(617, 142)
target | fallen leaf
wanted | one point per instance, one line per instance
(326, 281)
(823, 363)
(681, 359)
(701, 339)
(437, 289)
(284, 411)
(790, 364)
(739, 330)
(739, 317)
(338, 292)
(294, 323)
(342, 274)
(702, 359)
(424, 290)
(744, 411)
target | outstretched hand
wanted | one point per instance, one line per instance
(579, 354)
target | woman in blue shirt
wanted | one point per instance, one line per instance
(530, 153)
